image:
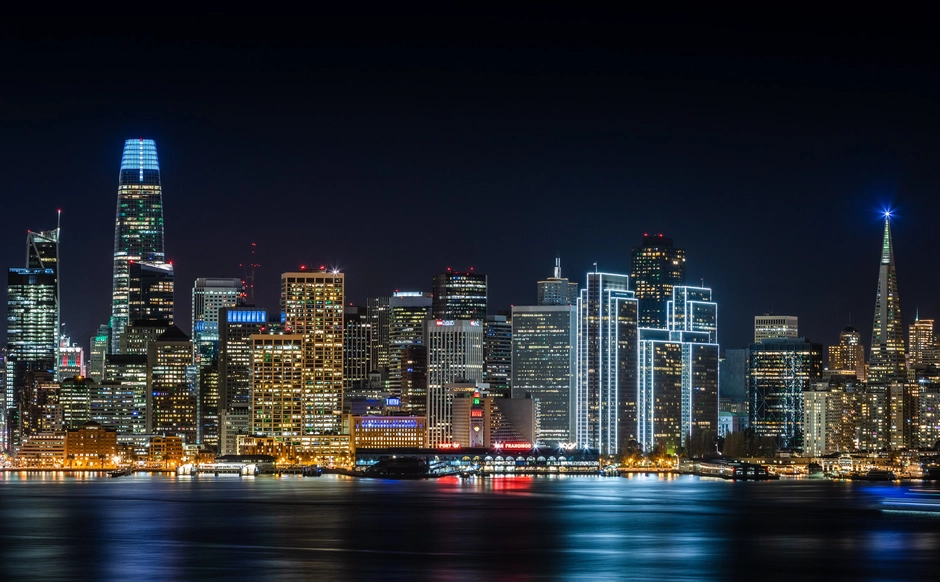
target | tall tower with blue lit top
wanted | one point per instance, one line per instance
(138, 228)
(887, 360)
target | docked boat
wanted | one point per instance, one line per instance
(874, 475)
(121, 472)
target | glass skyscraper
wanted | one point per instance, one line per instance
(677, 399)
(544, 365)
(656, 268)
(138, 229)
(459, 295)
(605, 400)
(32, 313)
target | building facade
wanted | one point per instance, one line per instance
(455, 353)
(780, 370)
(459, 295)
(172, 400)
(544, 366)
(848, 357)
(769, 326)
(557, 290)
(210, 295)
(312, 303)
(497, 354)
(138, 229)
(655, 268)
(606, 394)
(887, 362)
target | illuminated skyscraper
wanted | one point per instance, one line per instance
(71, 361)
(32, 314)
(172, 402)
(98, 350)
(677, 400)
(455, 354)
(848, 358)
(312, 303)
(150, 292)
(379, 313)
(770, 326)
(138, 229)
(278, 401)
(209, 296)
(605, 400)
(656, 267)
(544, 366)
(780, 370)
(32, 333)
(922, 346)
(887, 361)
(357, 337)
(557, 290)
(236, 327)
(459, 295)
(408, 310)
(497, 354)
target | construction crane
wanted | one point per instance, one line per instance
(248, 280)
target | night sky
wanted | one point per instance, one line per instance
(395, 142)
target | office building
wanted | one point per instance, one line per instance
(150, 292)
(357, 338)
(379, 314)
(497, 354)
(780, 370)
(278, 407)
(172, 401)
(887, 362)
(39, 406)
(312, 303)
(209, 296)
(677, 398)
(822, 419)
(71, 359)
(459, 295)
(209, 430)
(387, 432)
(138, 334)
(32, 332)
(922, 346)
(138, 228)
(127, 376)
(544, 366)
(848, 357)
(655, 268)
(733, 375)
(557, 290)
(455, 354)
(408, 312)
(237, 325)
(928, 417)
(605, 399)
(97, 351)
(91, 445)
(775, 326)
(414, 380)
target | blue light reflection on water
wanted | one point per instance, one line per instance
(156, 527)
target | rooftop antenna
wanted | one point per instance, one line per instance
(249, 280)
(557, 266)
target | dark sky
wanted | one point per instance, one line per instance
(395, 142)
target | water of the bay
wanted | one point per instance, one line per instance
(508, 528)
